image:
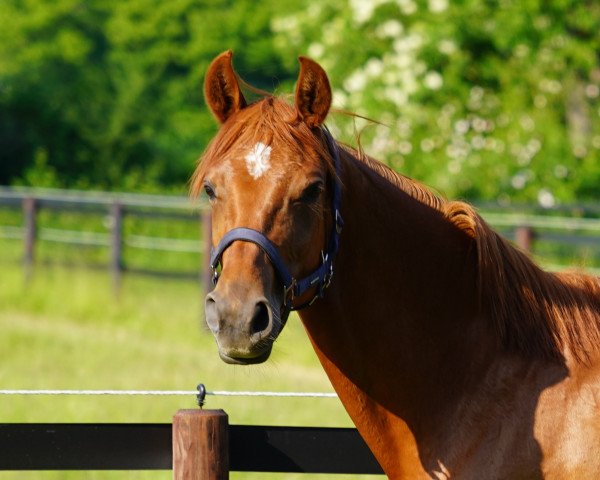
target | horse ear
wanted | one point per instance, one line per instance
(313, 93)
(221, 88)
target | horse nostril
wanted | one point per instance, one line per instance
(260, 319)
(211, 314)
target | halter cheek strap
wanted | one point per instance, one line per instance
(319, 278)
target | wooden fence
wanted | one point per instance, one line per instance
(572, 225)
(199, 445)
(114, 207)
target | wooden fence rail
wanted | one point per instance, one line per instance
(115, 207)
(525, 229)
(186, 443)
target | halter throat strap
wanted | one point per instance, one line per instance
(320, 278)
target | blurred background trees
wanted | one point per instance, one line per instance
(495, 100)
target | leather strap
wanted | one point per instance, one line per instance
(321, 276)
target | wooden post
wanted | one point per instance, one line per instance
(524, 237)
(206, 220)
(116, 245)
(30, 226)
(200, 445)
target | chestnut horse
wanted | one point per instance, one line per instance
(453, 353)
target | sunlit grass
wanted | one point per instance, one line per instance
(66, 330)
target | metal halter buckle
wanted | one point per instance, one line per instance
(339, 222)
(215, 275)
(289, 292)
(327, 278)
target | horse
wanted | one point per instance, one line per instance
(454, 354)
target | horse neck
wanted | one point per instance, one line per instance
(400, 316)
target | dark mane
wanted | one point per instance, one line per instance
(535, 312)
(538, 313)
(411, 187)
(554, 315)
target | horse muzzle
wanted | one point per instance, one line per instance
(244, 330)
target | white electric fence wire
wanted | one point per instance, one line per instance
(217, 393)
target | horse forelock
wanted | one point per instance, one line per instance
(267, 121)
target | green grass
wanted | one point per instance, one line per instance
(66, 330)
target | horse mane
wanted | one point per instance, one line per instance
(411, 187)
(535, 312)
(538, 313)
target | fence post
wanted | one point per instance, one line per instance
(200, 445)
(524, 237)
(30, 234)
(116, 244)
(206, 219)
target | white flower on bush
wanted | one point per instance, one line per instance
(374, 67)
(407, 7)
(427, 145)
(433, 80)
(405, 147)
(560, 171)
(356, 81)
(447, 47)
(316, 50)
(437, 6)
(396, 95)
(519, 181)
(340, 99)
(362, 10)
(592, 91)
(461, 126)
(389, 29)
(546, 199)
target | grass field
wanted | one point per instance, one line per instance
(65, 330)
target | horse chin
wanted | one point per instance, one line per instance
(261, 357)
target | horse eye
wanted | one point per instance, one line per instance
(312, 193)
(210, 191)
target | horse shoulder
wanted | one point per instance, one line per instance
(567, 425)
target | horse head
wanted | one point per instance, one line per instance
(270, 177)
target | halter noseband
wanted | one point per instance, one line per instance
(319, 278)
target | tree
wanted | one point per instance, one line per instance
(108, 93)
(481, 99)
(488, 100)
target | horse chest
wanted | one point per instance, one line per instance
(568, 427)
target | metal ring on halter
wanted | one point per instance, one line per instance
(339, 223)
(289, 292)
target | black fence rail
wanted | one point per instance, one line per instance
(41, 446)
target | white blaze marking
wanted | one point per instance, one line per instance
(257, 161)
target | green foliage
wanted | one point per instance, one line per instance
(490, 100)
(111, 91)
(481, 99)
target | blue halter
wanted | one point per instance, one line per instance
(319, 278)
